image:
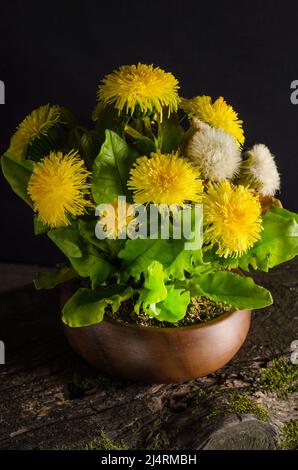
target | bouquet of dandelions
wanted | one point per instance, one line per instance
(157, 206)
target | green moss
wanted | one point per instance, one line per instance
(103, 443)
(242, 404)
(289, 436)
(86, 383)
(79, 384)
(239, 403)
(204, 395)
(201, 395)
(281, 377)
(215, 413)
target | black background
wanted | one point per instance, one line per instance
(57, 52)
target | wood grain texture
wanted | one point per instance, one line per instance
(43, 404)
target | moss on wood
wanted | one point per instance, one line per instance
(103, 443)
(80, 384)
(280, 377)
(242, 404)
(289, 436)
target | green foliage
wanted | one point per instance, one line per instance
(173, 307)
(289, 436)
(279, 241)
(142, 143)
(139, 253)
(39, 227)
(68, 240)
(18, 174)
(89, 146)
(284, 213)
(161, 301)
(84, 258)
(49, 280)
(87, 231)
(94, 265)
(154, 289)
(87, 306)
(181, 263)
(170, 134)
(223, 286)
(68, 118)
(105, 117)
(111, 169)
(161, 274)
(280, 377)
(188, 262)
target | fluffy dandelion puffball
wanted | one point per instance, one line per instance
(165, 179)
(57, 188)
(215, 152)
(33, 126)
(259, 171)
(148, 88)
(232, 219)
(218, 114)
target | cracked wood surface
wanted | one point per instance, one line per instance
(50, 398)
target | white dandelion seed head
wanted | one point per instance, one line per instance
(259, 171)
(215, 152)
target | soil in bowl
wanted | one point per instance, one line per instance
(199, 311)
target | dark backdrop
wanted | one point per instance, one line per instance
(57, 51)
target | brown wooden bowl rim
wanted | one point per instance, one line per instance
(209, 324)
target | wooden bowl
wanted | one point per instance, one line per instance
(161, 355)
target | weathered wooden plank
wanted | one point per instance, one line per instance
(49, 397)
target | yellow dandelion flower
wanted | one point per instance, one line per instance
(218, 114)
(57, 188)
(142, 87)
(116, 218)
(34, 125)
(232, 219)
(165, 179)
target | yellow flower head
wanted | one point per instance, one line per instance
(165, 179)
(57, 188)
(34, 125)
(140, 86)
(115, 218)
(232, 219)
(218, 114)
